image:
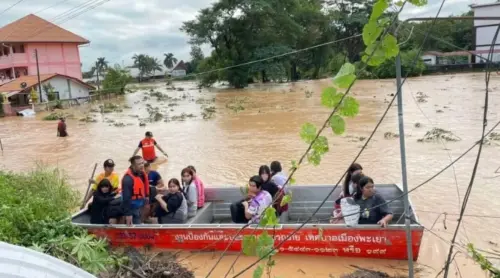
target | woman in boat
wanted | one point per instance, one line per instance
(172, 207)
(268, 185)
(373, 207)
(337, 214)
(277, 175)
(251, 209)
(190, 191)
(348, 188)
(200, 188)
(103, 197)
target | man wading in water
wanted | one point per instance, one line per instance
(148, 145)
(61, 128)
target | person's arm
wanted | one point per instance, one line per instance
(385, 211)
(161, 150)
(193, 194)
(138, 148)
(249, 210)
(98, 198)
(127, 190)
(163, 204)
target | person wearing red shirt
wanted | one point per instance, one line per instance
(61, 128)
(147, 145)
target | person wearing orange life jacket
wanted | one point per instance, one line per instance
(148, 145)
(135, 191)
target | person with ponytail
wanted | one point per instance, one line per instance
(348, 187)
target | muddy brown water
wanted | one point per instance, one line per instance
(230, 147)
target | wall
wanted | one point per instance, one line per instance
(178, 73)
(60, 85)
(432, 59)
(62, 58)
(484, 33)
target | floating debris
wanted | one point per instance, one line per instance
(421, 97)
(308, 93)
(54, 116)
(88, 119)
(439, 133)
(390, 135)
(418, 125)
(110, 108)
(237, 104)
(208, 112)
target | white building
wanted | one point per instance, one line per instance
(430, 58)
(179, 70)
(484, 31)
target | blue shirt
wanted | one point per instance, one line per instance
(153, 177)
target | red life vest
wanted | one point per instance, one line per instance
(148, 149)
(141, 187)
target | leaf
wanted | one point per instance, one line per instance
(265, 244)
(249, 245)
(321, 145)
(337, 124)
(314, 158)
(330, 98)
(258, 272)
(269, 218)
(345, 76)
(295, 166)
(399, 3)
(292, 181)
(350, 107)
(371, 32)
(286, 199)
(378, 9)
(418, 3)
(376, 58)
(390, 46)
(308, 132)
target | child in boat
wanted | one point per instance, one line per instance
(268, 185)
(250, 210)
(277, 175)
(190, 191)
(102, 199)
(172, 206)
(367, 199)
(200, 187)
(337, 215)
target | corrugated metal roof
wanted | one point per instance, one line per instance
(20, 262)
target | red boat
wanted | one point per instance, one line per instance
(211, 228)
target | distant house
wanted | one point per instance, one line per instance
(17, 92)
(57, 49)
(179, 70)
(484, 31)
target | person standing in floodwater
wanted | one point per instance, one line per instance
(61, 128)
(147, 145)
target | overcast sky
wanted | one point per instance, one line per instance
(119, 28)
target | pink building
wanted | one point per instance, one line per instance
(57, 48)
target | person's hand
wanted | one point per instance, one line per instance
(128, 220)
(245, 204)
(158, 196)
(165, 154)
(382, 223)
(251, 195)
(117, 196)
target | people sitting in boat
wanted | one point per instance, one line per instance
(147, 145)
(189, 188)
(251, 208)
(173, 205)
(109, 174)
(337, 215)
(102, 198)
(277, 175)
(135, 191)
(200, 188)
(348, 187)
(373, 207)
(268, 185)
(153, 175)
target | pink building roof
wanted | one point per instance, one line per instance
(32, 28)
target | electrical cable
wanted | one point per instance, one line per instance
(476, 164)
(51, 6)
(11, 6)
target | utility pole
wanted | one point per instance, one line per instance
(38, 73)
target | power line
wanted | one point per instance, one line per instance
(51, 6)
(11, 6)
(386, 30)
(476, 163)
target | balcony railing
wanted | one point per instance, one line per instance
(13, 59)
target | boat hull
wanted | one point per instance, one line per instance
(327, 240)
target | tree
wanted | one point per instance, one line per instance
(169, 60)
(153, 65)
(101, 65)
(196, 57)
(116, 79)
(141, 63)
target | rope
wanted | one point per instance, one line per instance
(476, 164)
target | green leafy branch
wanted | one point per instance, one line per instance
(483, 261)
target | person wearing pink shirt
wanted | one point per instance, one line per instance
(200, 187)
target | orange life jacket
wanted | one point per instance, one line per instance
(148, 149)
(141, 187)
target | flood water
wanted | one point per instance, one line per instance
(231, 146)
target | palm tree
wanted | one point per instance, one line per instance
(154, 65)
(100, 66)
(141, 63)
(169, 60)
